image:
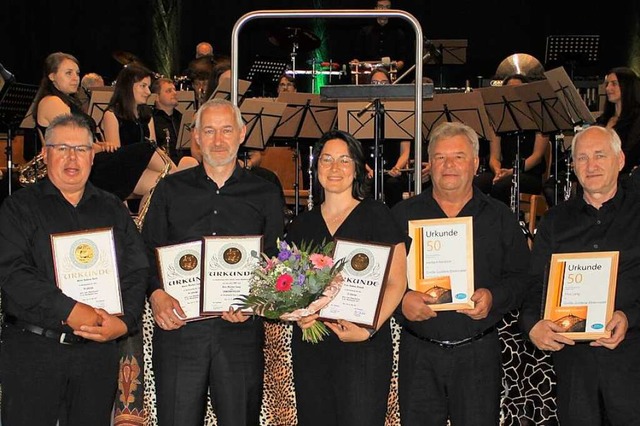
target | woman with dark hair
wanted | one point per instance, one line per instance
(128, 124)
(622, 113)
(345, 379)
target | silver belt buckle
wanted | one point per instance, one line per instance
(62, 336)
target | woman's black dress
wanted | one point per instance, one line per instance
(118, 172)
(339, 383)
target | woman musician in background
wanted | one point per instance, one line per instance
(131, 171)
(622, 114)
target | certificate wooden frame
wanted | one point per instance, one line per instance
(86, 268)
(442, 268)
(235, 256)
(367, 266)
(180, 275)
(594, 271)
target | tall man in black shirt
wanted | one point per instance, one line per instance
(224, 354)
(59, 357)
(450, 365)
(598, 382)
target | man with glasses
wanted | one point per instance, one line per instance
(450, 363)
(59, 359)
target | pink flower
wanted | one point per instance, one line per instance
(284, 282)
(320, 261)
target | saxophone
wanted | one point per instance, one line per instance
(32, 171)
(144, 206)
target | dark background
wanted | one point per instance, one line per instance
(92, 31)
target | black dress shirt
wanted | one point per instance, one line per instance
(575, 226)
(189, 205)
(500, 262)
(163, 122)
(27, 278)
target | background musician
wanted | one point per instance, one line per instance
(382, 39)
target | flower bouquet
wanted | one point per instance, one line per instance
(297, 283)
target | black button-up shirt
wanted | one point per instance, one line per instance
(27, 278)
(500, 262)
(164, 122)
(576, 226)
(189, 205)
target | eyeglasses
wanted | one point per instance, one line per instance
(382, 7)
(64, 149)
(379, 81)
(327, 161)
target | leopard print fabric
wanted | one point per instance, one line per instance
(528, 379)
(528, 395)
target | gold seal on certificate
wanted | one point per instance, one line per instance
(179, 270)
(581, 293)
(228, 264)
(364, 278)
(86, 268)
(440, 261)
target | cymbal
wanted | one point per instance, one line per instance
(289, 37)
(520, 63)
(125, 58)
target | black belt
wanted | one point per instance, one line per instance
(448, 344)
(63, 338)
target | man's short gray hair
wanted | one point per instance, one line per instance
(219, 103)
(68, 120)
(611, 134)
(449, 130)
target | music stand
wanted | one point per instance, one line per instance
(398, 119)
(223, 91)
(261, 117)
(266, 71)
(573, 105)
(452, 52)
(509, 114)
(305, 116)
(572, 49)
(379, 92)
(184, 134)
(186, 101)
(15, 100)
(467, 108)
(99, 103)
(569, 96)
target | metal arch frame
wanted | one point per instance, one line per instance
(346, 13)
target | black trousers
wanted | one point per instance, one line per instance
(43, 380)
(461, 384)
(214, 355)
(598, 386)
(339, 384)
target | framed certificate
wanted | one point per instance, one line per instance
(179, 270)
(440, 261)
(86, 268)
(228, 264)
(365, 276)
(581, 293)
